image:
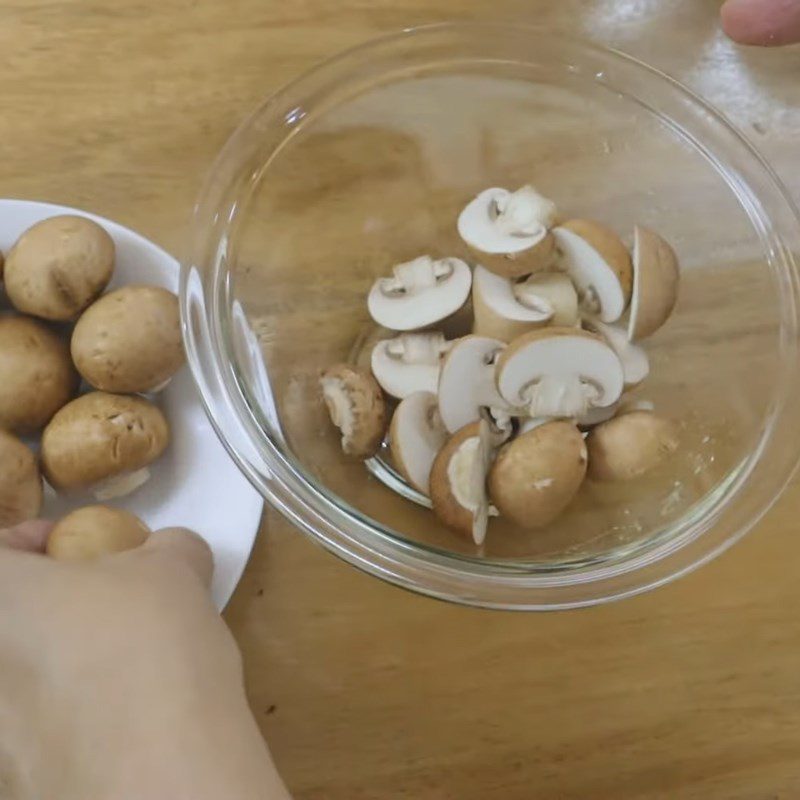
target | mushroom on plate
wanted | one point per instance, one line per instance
(20, 482)
(409, 363)
(58, 267)
(94, 531)
(104, 443)
(129, 340)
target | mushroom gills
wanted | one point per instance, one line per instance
(121, 485)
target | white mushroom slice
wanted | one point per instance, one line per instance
(656, 276)
(502, 314)
(121, 485)
(559, 372)
(635, 364)
(466, 382)
(595, 416)
(409, 363)
(458, 481)
(420, 293)
(416, 435)
(599, 265)
(555, 289)
(530, 423)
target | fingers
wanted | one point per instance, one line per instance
(29, 536)
(183, 546)
(762, 22)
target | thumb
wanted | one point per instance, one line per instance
(180, 545)
(30, 536)
(762, 22)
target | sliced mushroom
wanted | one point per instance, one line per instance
(356, 407)
(595, 416)
(416, 435)
(466, 382)
(599, 265)
(508, 231)
(535, 476)
(20, 482)
(94, 531)
(421, 293)
(409, 363)
(656, 276)
(635, 364)
(630, 445)
(554, 288)
(559, 372)
(458, 481)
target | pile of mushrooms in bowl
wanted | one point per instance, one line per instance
(80, 369)
(509, 416)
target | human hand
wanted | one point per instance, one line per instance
(762, 22)
(118, 679)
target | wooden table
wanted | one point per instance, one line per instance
(364, 691)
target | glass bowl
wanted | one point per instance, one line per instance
(365, 162)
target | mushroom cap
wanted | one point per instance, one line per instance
(630, 445)
(416, 436)
(20, 482)
(421, 293)
(129, 340)
(635, 364)
(99, 436)
(36, 374)
(94, 531)
(535, 476)
(656, 277)
(409, 363)
(356, 407)
(598, 263)
(59, 266)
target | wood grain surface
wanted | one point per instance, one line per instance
(364, 691)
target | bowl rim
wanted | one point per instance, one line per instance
(208, 309)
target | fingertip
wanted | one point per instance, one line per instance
(183, 546)
(30, 536)
(766, 23)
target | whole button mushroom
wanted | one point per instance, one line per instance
(95, 531)
(58, 267)
(129, 340)
(104, 443)
(20, 482)
(36, 374)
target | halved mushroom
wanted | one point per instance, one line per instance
(559, 372)
(599, 265)
(409, 363)
(630, 445)
(535, 476)
(416, 435)
(635, 364)
(596, 416)
(508, 231)
(656, 276)
(466, 382)
(421, 293)
(20, 482)
(104, 443)
(356, 407)
(94, 531)
(554, 288)
(458, 481)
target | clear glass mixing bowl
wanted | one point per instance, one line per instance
(365, 162)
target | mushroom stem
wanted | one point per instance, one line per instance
(560, 396)
(418, 348)
(523, 213)
(417, 275)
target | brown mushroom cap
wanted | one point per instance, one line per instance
(129, 340)
(59, 266)
(95, 531)
(36, 374)
(536, 475)
(100, 436)
(20, 482)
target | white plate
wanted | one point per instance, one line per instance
(195, 484)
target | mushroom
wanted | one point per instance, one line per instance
(554, 288)
(104, 443)
(656, 276)
(535, 476)
(599, 265)
(508, 231)
(559, 372)
(421, 293)
(635, 364)
(59, 266)
(356, 407)
(594, 416)
(129, 340)
(630, 445)
(416, 435)
(458, 481)
(466, 382)
(94, 531)
(409, 363)
(36, 374)
(20, 482)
